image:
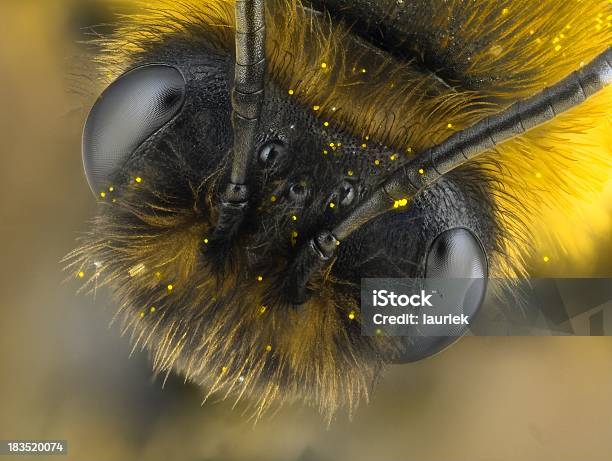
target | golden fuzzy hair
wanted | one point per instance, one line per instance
(541, 181)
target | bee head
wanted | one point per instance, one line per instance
(223, 194)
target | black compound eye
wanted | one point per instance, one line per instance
(346, 193)
(129, 111)
(454, 254)
(299, 191)
(273, 154)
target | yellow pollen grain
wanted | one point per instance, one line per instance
(273, 198)
(325, 152)
(315, 108)
(262, 309)
(363, 146)
(331, 144)
(505, 11)
(400, 203)
(332, 204)
(538, 175)
(376, 162)
(268, 348)
(142, 314)
(294, 218)
(351, 315)
(81, 274)
(294, 234)
(103, 194)
(393, 157)
(531, 32)
(206, 241)
(324, 65)
(350, 172)
(546, 259)
(325, 123)
(260, 278)
(111, 189)
(291, 92)
(363, 71)
(138, 179)
(421, 171)
(152, 310)
(450, 125)
(557, 48)
(170, 287)
(223, 370)
(158, 274)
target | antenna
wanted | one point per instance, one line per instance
(247, 101)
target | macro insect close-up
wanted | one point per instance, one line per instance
(255, 160)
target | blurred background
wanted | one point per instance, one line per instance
(65, 374)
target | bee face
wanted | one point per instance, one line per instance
(161, 138)
(320, 201)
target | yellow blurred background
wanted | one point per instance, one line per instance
(67, 375)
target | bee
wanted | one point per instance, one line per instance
(254, 160)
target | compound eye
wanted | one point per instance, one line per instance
(272, 154)
(128, 112)
(299, 191)
(454, 254)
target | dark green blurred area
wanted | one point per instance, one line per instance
(66, 375)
